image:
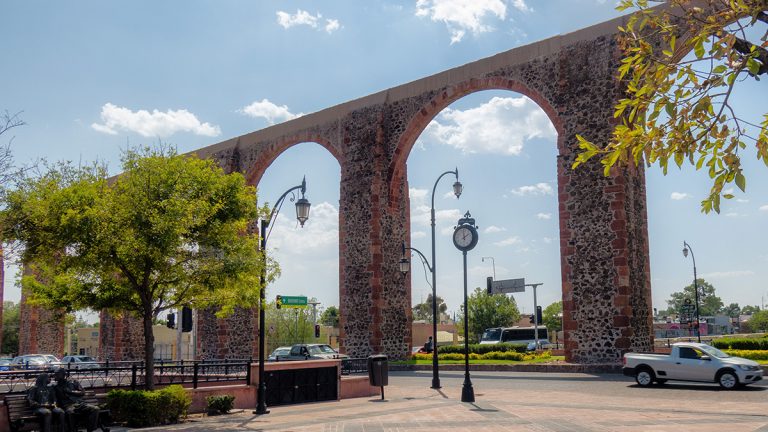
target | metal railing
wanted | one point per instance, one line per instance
(353, 366)
(108, 375)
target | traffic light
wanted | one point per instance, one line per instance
(489, 283)
(530, 319)
(171, 323)
(186, 319)
(317, 330)
(538, 314)
(279, 302)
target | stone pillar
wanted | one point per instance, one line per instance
(233, 337)
(41, 331)
(120, 338)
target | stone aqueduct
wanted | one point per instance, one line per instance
(603, 228)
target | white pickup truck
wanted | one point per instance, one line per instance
(690, 361)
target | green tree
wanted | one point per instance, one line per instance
(486, 311)
(732, 310)
(750, 310)
(709, 303)
(423, 311)
(288, 326)
(759, 321)
(171, 230)
(553, 317)
(10, 328)
(678, 107)
(330, 316)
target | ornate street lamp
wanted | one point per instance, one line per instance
(493, 262)
(457, 189)
(687, 247)
(302, 214)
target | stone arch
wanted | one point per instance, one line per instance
(272, 151)
(445, 98)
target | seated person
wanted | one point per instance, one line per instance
(69, 395)
(42, 399)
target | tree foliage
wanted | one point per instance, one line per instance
(553, 316)
(749, 310)
(330, 316)
(759, 321)
(171, 230)
(423, 311)
(486, 311)
(677, 108)
(11, 312)
(709, 303)
(288, 326)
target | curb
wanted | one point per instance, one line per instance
(552, 368)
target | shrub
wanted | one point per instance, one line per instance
(492, 355)
(220, 404)
(141, 408)
(749, 354)
(482, 349)
(741, 343)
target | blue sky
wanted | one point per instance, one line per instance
(92, 77)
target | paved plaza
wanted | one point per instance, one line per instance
(514, 402)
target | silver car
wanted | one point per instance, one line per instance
(35, 362)
(79, 362)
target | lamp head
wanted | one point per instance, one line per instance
(405, 265)
(685, 251)
(302, 210)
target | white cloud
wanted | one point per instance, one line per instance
(764, 208)
(420, 211)
(537, 189)
(727, 274)
(494, 229)
(154, 124)
(509, 241)
(677, 196)
(544, 216)
(742, 200)
(319, 236)
(462, 16)
(418, 234)
(273, 113)
(301, 17)
(499, 126)
(547, 240)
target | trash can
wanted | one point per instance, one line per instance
(378, 371)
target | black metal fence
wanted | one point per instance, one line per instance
(109, 375)
(354, 366)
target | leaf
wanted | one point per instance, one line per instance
(741, 182)
(719, 69)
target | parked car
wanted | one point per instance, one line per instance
(35, 361)
(79, 362)
(5, 364)
(543, 344)
(691, 361)
(313, 352)
(279, 353)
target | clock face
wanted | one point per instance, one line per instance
(465, 238)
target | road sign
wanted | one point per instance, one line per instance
(293, 302)
(687, 311)
(506, 286)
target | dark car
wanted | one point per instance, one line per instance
(313, 352)
(5, 364)
(79, 362)
(279, 353)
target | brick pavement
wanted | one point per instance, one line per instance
(410, 409)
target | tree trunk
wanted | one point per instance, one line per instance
(149, 352)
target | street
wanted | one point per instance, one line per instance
(516, 401)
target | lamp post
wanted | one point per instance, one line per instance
(302, 214)
(686, 248)
(493, 262)
(457, 188)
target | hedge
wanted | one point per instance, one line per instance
(749, 354)
(493, 355)
(741, 343)
(220, 404)
(482, 349)
(141, 408)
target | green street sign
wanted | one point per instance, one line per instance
(291, 302)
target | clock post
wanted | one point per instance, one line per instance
(465, 239)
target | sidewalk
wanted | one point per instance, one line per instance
(422, 409)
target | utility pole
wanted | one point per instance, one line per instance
(314, 304)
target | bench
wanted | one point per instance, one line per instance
(22, 418)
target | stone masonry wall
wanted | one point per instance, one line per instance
(120, 338)
(41, 331)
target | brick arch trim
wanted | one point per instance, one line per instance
(446, 97)
(255, 172)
